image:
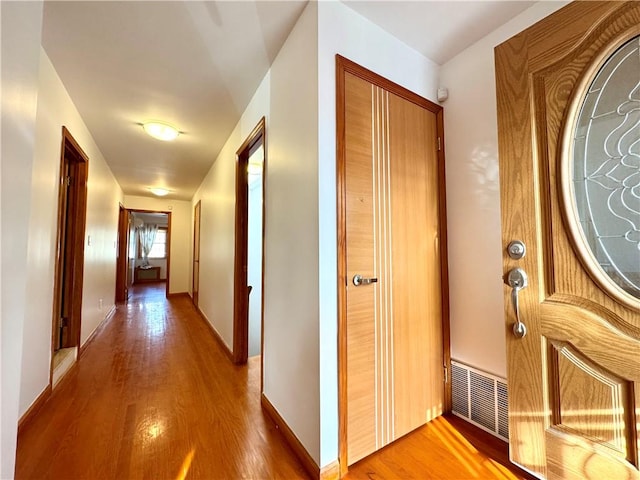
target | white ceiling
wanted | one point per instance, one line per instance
(439, 30)
(196, 65)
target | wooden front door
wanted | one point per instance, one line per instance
(392, 327)
(569, 140)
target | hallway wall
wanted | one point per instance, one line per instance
(473, 198)
(181, 234)
(20, 42)
(217, 221)
(291, 324)
(291, 359)
(54, 110)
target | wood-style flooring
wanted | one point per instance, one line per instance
(154, 397)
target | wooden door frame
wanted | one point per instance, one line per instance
(122, 252)
(168, 247)
(255, 139)
(344, 66)
(195, 293)
(70, 153)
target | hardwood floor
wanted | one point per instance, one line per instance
(154, 397)
(447, 448)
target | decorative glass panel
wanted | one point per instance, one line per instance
(606, 167)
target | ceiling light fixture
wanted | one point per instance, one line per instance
(161, 131)
(160, 192)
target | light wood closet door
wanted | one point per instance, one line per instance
(568, 117)
(394, 323)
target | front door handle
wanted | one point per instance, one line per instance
(360, 280)
(517, 279)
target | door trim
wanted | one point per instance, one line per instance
(240, 288)
(197, 221)
(121, 260)
(78, 160)
(343, 66)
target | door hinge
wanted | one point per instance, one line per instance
(439, 144)
(68, 180)
(446, 375)
(64, 322)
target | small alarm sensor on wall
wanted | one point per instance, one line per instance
(443, 94)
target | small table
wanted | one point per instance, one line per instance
(146, 275)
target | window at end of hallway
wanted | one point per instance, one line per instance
(159, 248)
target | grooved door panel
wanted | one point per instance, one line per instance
(394, 323)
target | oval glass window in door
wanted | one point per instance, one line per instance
(604, 171)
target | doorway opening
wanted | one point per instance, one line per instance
(69, 267)
(149, 248)
(249, 247)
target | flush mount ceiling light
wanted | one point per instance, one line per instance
(160, 192)
(161, 131)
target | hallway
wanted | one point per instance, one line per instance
(154, 396)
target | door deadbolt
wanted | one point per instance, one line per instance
(516, 249)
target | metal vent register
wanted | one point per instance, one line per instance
(480, 398)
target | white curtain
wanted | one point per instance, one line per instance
(147, 235)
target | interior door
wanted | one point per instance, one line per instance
(132, 251)
(121, 255)
(196, 253)
(569, 140)
(394, 308)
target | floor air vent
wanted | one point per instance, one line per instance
(480, 398)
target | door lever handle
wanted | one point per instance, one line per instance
(360, 280)
(517, 279)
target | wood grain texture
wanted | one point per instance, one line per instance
(154, 396)
(330, 472)
(573, 458)
(446, 448)
(35, 407)
(539, 75)
(195, 279)
(591, 401)
(221, 343)
(366, 407)
(71, 225)
(394, 327)
(121, 258)
(97, 330)
(524, 371)
(417, 341)
(240, 287)
(294, 443)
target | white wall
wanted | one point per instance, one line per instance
(343, 31)
(473, 198)
(56, 109)
(217, 220)
(181, 234)
(291, 356)
(21, 25)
